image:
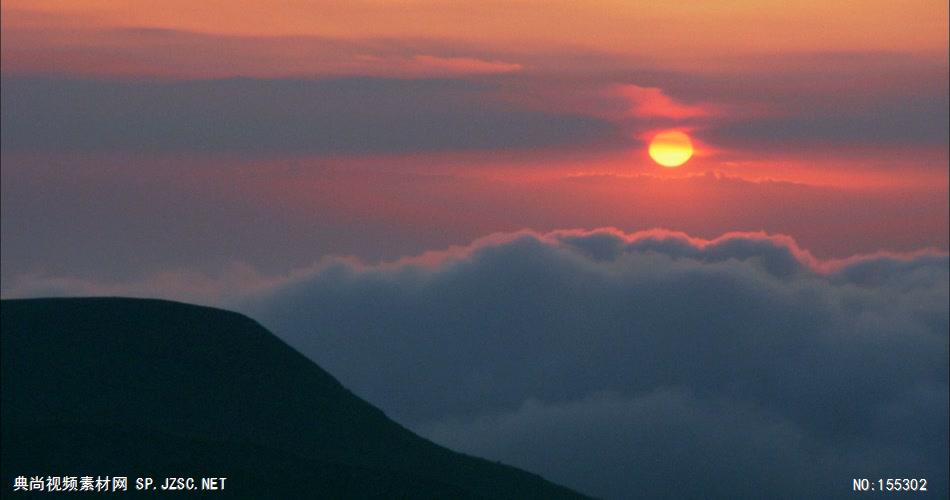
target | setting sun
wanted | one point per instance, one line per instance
(671, 149)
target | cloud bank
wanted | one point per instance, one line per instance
(648, 363)
(280, 116)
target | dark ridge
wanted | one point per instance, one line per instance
(149, 388)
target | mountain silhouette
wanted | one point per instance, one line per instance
(150, 388)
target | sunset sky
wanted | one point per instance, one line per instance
(271, 136)
(218, 150)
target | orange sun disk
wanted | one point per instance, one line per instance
(671, 148)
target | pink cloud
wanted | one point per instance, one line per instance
(651, 102)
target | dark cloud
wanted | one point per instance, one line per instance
(649, 364)
(917, 121)
(673, 444)
(285, 116)
(828, 100)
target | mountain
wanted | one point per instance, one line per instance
(149, 388)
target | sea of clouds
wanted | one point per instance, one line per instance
(624, 365)
(649, 364)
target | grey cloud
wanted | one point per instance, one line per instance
(672, 444)
(768, 369)
(344, 115)
(920, 121)
(826, 99)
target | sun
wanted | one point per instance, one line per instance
(671, 148)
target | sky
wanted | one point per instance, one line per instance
(451, 207)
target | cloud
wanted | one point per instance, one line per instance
(651, 102)
(465, 65)
(671, 443)
(286, 116)
(53, 44)
(649, 363)
(831, 101)
(907, 121)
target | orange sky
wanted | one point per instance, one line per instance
(824, 120)
(694, 34)
(615, 25)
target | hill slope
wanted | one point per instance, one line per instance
(140, 388)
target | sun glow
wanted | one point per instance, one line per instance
(671, 148)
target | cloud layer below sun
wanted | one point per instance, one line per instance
(650, 362)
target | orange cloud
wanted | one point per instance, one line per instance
(651, 102)
(464, 65)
